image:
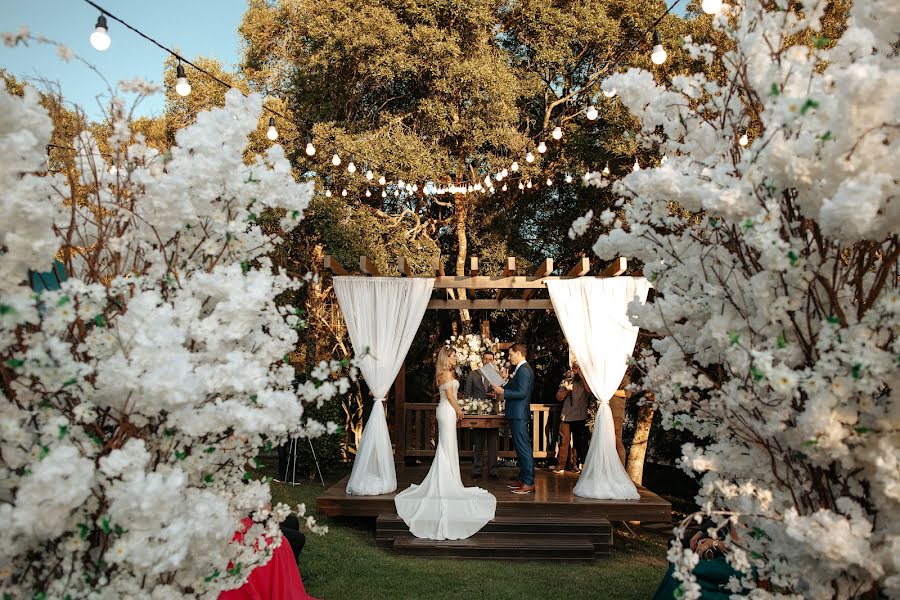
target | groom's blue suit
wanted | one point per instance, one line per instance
(517, 395)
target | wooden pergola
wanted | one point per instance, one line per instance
(509, 291)
(507, 286)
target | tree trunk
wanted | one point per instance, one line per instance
(315, 305)
(462, 217)
(638, 450)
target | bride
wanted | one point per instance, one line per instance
(440, 508)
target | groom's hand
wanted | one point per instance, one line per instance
(497, 390)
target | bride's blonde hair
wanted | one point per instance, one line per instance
(443, 363)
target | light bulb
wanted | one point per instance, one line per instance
(744, 140)
(528, 185)
(370, 175)
(664, 159)
(336, 160)
(549, 181)
(711, 7)
(606, 169)
(568, 178)
(503, 188)
(401, 184)
(529, 157)
(521, 186)
(344, 192)
(383, 194)
(368, 193)
(382, 180)
(272, 133)
(499, 176)
(637, 166)
(100, 38)
(328, 193)
(609, 93)
(396, 193)
(477, 187)
(351, 168)
(591, 113)
(487, 180)
(310, 149)
(557, 133)
(182, 87)
(514, 167)
(658, 56)
(542, 147)
(415, 187)
(505, 173)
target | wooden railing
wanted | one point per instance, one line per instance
(418, 435)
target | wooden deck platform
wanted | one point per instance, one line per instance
(553, 498)
(551, 524)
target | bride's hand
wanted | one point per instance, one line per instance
(459, 414)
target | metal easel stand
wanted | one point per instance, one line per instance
(292, 453)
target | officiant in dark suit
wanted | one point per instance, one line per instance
(477, 387)
(517, 395)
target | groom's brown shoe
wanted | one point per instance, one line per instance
(524, 489)
(514, 483)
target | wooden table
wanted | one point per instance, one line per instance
(491, 423)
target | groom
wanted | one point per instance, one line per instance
(517, 394)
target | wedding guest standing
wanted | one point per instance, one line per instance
(574, 395)
(477, 387)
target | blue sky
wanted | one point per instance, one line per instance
(195, 27)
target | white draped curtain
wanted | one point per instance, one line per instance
(593, 315)
(382, 316)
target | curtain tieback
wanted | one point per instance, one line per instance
(380, 399)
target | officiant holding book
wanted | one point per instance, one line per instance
(478, 386)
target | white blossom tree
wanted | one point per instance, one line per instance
(775, 268)
(134, 399)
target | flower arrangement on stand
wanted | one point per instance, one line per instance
(475, 406)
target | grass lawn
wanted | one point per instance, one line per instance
(346, 564)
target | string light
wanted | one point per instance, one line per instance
(514, 167)
(658, 56)
(591, 113)
(636, 167)
(383, 194)
(557, 133)
(609, 93)
(369, 175)
(351, 168)
(568, 178)
(606, 169)
(182, 87)
(344, 192)
(505, 173)
(100, 39)
(521, 186)
(382, 180)
(711, 7)
(549, 182)
(504, 188)
(368, 193)
(396, 193)
(336, 160)
(744, 140)
(328, 193)
(272, 133)
(529, 157)
(542, 147)
(310, 149)
(528, 185)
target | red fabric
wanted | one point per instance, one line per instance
(278, 579)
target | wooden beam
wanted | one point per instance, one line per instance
(404, 268)
(544, 270)
(508, 272)
(490, 304)
(617, 267)
(438, 265)
(581, 268)
(473, 261)
(334, 266)
(367, 266)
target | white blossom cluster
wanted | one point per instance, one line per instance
(475, 406)
(134, 400)
(775, 270)
(469, 348)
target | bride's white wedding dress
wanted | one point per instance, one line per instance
(441, 508)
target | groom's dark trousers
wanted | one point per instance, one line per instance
(517, 395)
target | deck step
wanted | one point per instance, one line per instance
(486, 546)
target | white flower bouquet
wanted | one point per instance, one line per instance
(475, 406)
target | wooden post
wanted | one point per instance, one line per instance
(400, 413)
